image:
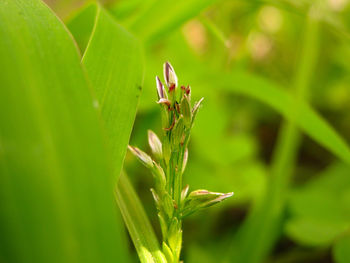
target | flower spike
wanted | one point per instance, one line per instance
(173, 202)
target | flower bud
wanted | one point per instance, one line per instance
(168, 205)
(167, 252)
(163, 224)
(164, 102)
(182, 92)
(166, 150)
(175, 236)
(185, 160)
(160, 89)
(186, 111)
(184, 193)
(177, 133)
(207, 198)
(188, 92)
(196, 108)
(159, 177)
(201, 199)
(155, 144)
(143, 157)
(156, 198)
(170, 76)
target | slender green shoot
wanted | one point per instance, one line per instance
(174, 202)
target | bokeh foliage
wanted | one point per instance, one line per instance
(274, 125)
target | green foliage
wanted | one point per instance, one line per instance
(56, 183)
(306, 118)
(264, 223)
(156, 19)
(113, 61)
(117, 84)
(65, 125)
(320, 209)
(341, 250)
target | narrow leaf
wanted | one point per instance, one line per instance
(137, 222)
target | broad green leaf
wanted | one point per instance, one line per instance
(114, 65)
(135, 218)
(82, 24)
(341, 250)
(56, 188)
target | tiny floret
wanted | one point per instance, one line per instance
(170, 76)
(160, 89)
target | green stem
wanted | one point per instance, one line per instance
(179, 168)
(178, 178)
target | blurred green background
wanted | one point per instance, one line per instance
(292, 194)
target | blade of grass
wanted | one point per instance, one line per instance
(215, 31)
(114, 64)
(276, 97)
(135, 218)
(56, 188)
(263, 226)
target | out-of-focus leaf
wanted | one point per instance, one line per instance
(220, 147)
(135, 218)
(127, 11)
(341, 250)
(247, 179)
(163, 16)
(320, 210)
(262, 228)
(314, 231)
(253, 86)
(113, 62)
(56, 188)
(199, 254)
(306, 118)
